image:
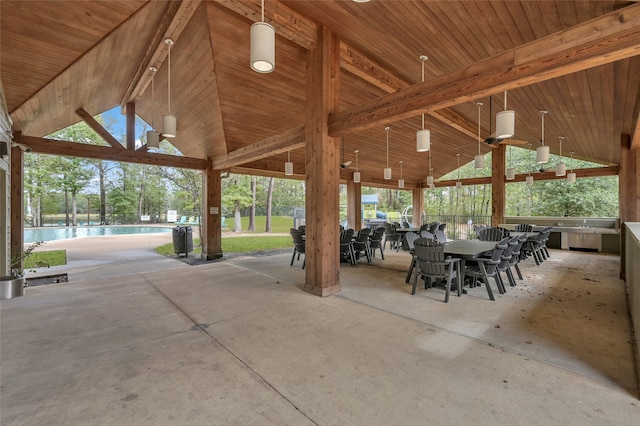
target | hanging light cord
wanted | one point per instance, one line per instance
(505, 100)
(542, 113)
(153, 92)
(387, 129)
(262, 10)
(422, 58)
(400, 169)
(169, 76)
(356, 151)
(458, 155)
(479, 106)
(288, 156)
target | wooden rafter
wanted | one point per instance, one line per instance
(97, 127)
(175, 17)
(287, 141)
(72, 149)
(635, 138)
(600, 41)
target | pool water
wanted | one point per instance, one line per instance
(31, 235)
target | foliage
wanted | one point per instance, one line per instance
(47, 258)
(279, 224)
(16, 262)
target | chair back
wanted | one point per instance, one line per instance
(441, 237)
(433, 226)
(524, 227)
(302, 229)
(405, 224)
(496, 257)
(517, 247)
(362, 239)
(427, 234)
(479, 228)
(409, 238)
(505, 257)
(298, 241)
(442, 226)
(505, 232)
(375, 239)
(347, 233)
(491, 234)
(430, 257)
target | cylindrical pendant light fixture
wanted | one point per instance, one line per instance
(542, 152)
(288, 166)
(430, 180)
(387, 170)
(571, 176)
(263, 46)
(505, 122)
(423, 137)
(479, 159)
(153, 137)
(356, 174)
(169, 122)
(511, 173)
(561, 168)
(529, 180)
(401, 181)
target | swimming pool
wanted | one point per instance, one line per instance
(32, 235)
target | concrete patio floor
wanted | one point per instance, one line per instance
(237, 342)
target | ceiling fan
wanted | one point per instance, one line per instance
(492, 141)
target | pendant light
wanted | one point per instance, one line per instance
(511, 172)
(542, 152)
(571, 176)
(356, 174)
(479, 159)
(458, 183)
(561, 168)
(288, 166)
(387, 170)
(263, 46)
(505, 122)
(168, 120)
(400, 181)
(529, 177)
(153, 137)
(423, 137)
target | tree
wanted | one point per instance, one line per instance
(236, 194)
(267, 227)
(252, 212)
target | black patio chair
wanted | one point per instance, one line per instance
(485, 268)
(361, 244)
(298, 246)
(376, 242)
(432, 264)
(391, 236)
(346, 247)
(491, 234)
(524, 227)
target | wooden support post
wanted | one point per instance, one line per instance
(322, 275)
(354, 205)
(629, 194)
(131, 126)
(211, 237)
(17, 203)
(418, 206)
(498, 189)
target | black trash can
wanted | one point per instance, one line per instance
(182, 240)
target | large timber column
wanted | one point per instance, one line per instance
(498, 189)
(322, 168)
(212, 211)
(354, 205)
(418, 206)
(629, 195)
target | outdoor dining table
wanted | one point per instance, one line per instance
(523, 234)
(464, 249)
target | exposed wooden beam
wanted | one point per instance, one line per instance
(600, 41)
(74, 149)
(175, 17)
(287, 141)
(287, 22)
(97, 127)
(131, 126)
(635, 139)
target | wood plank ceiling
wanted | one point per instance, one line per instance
(60, 56)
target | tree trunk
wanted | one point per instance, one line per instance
(237, 222)
(141, 197)
(74, 209)
(267, 227)
(66, 207)
(103, 195)
(252, 212)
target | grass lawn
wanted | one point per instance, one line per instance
(238, 244)
(40, 259)
(279, 224)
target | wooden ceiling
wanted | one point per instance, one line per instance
(580, 60)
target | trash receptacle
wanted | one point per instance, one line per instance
(182, 240)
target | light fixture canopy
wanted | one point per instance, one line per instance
(423, 136)
(263, 46)
(479, 159)
(505, 121)
(169, 122)
(542, 152)
(356, 174)
(288, 166)
(401, 180)
(387, 170)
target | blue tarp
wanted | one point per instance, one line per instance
(369, 199)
